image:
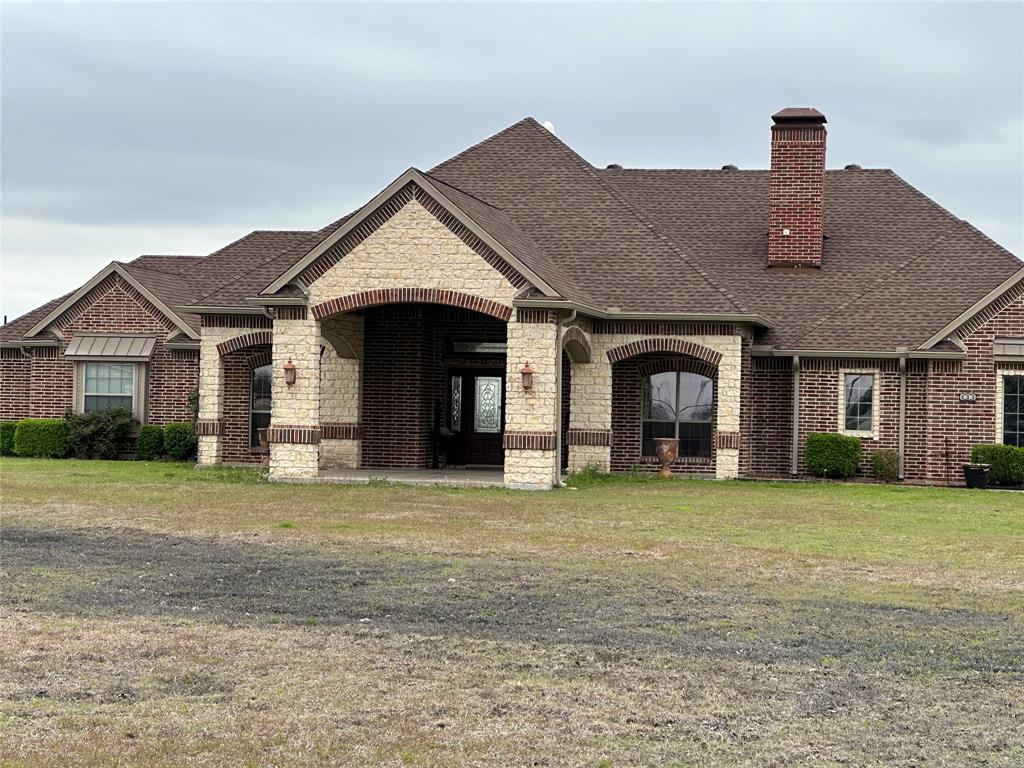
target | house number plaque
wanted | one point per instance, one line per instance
(968, 397)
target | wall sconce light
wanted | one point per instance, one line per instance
(527, 373)
(289, 372)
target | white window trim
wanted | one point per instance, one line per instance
(1001, 374)
(138, 396)
(876, 402)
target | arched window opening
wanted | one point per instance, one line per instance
(681, 405)
(259, 409)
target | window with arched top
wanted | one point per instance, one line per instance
(679, 404)
(259, 404)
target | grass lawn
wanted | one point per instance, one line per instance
(157, 615)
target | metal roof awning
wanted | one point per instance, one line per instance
(106, 346)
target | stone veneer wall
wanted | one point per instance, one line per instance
(340, 375)
(295, 408)
(591, 407)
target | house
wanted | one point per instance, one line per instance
(516, 306)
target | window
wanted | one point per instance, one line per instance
(678, 405)
(858, 399)
(109, 385)
(259, 410)
(1013, 410)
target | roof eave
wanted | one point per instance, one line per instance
(615, 314)
(863, 354)
(214, 310)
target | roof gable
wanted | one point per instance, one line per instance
(130, 278)
(412, 183)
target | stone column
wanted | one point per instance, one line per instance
(727, 426)
(531, 416)
(341, 429)
(211, 396)
(590, 414)
(295, 415)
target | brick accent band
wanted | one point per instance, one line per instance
(341, 431)
(727, 440)
(293, 434)
(672, 346)
(530, 441)
(245, 340)
(206, 427)
(411, 296)
(290, 313)
(589, 437)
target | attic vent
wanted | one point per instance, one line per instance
(729, 167)
(614, 167)
(853, 167)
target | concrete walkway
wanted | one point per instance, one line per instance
(454, 477)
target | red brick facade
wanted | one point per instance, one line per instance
(42, 384)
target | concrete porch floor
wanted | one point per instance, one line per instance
(455, 477)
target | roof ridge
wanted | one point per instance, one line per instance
(878, 282)
(640, 216)
(467, 150)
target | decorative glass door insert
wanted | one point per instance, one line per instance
(487, 407)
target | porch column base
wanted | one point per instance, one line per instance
(208, 451)
(294, 462)
(530, 470)
(727, 463)
(583, 456)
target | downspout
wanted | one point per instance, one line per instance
(558, 397)
(794, 468)
(903, 411)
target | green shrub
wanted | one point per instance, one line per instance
(180, 440)
(7, 438)
(41, 438)
(102, 434)
(885, 465)
(149, 446)
(833, 455)
(1007, 462)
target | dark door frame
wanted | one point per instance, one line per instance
(465, 436)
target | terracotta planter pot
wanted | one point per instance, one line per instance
(667, 449)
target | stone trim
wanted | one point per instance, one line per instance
(529, 441)
(876, 403)
(341, 431)
(727, 440)
(380, 296)
(245, 340)
(389, 208)
(663, 345)
(205, 427)
(576, 345)
(596, 437)
(286, 433)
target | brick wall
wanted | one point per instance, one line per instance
(237, 400)
(43, 387)
(771, 416)
(627, 413)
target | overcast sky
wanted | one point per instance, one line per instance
(177, 128)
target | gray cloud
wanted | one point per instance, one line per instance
(132, 128)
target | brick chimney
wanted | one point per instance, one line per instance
(797, 188)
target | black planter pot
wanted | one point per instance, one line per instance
(976, 475)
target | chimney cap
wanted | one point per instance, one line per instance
(798, 115)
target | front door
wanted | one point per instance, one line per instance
(477, 415)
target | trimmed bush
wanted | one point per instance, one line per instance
(41, 438)
(102, 434)
(180, 440)
(885, 465)
(149, 446)
(7, 438)
(1007, 462)
(833, 455)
